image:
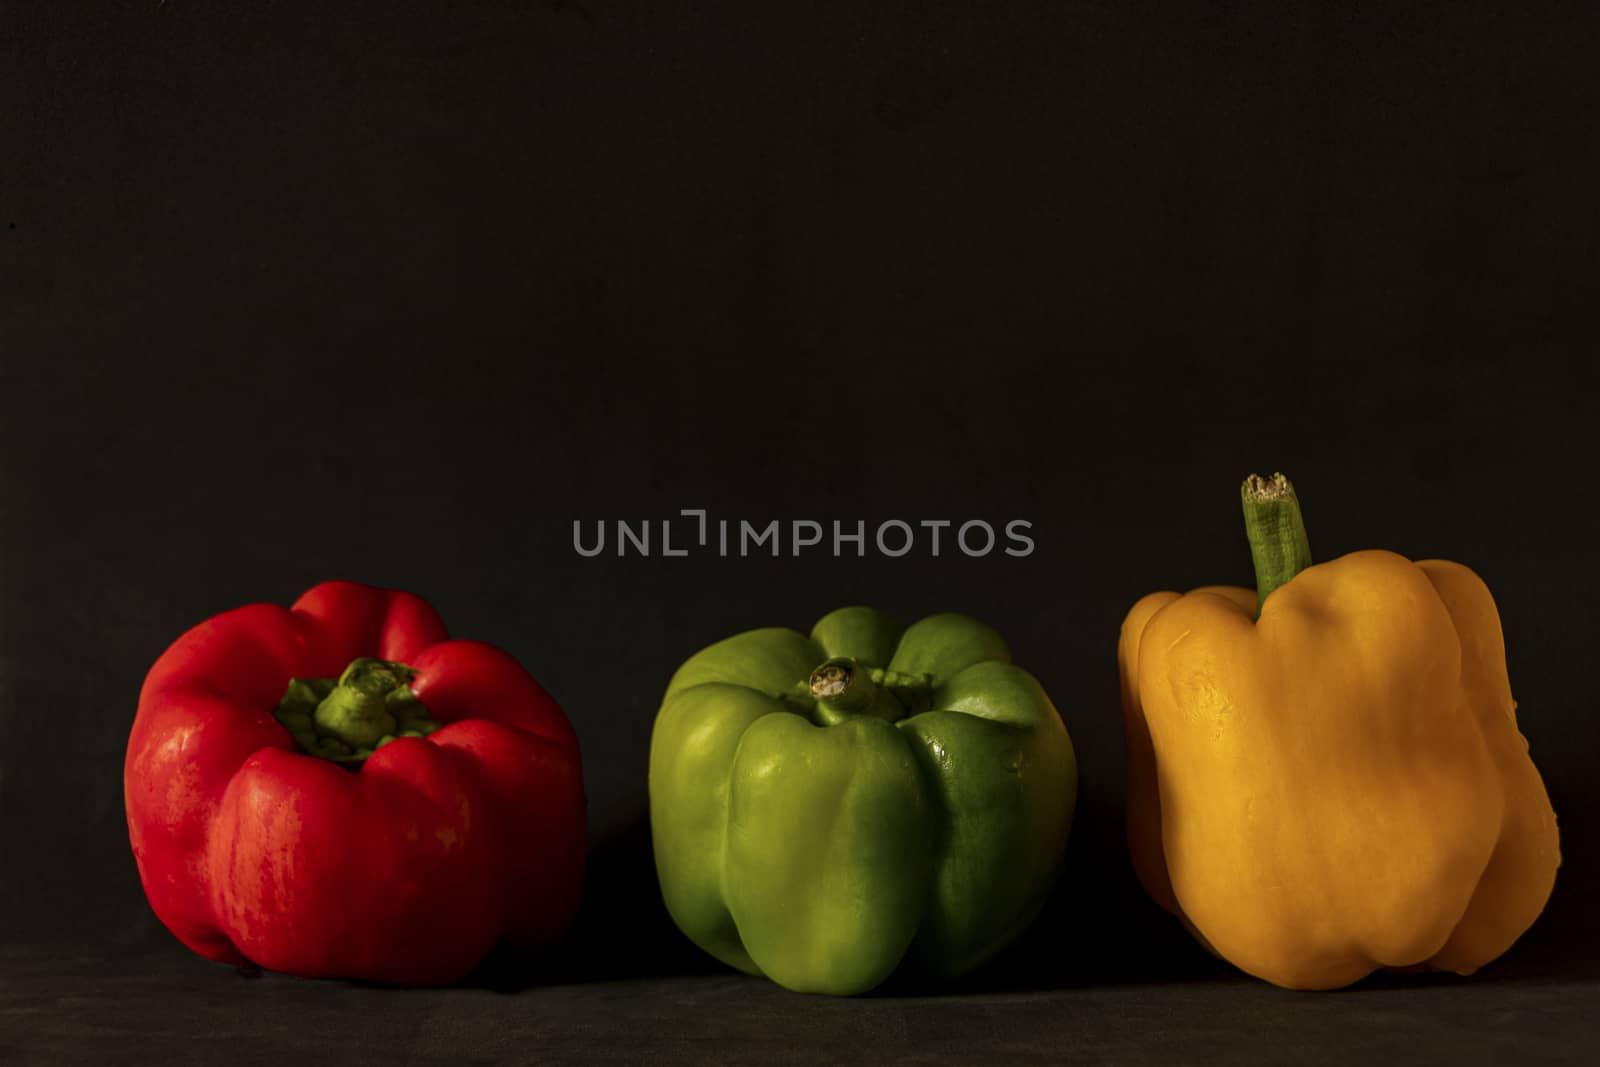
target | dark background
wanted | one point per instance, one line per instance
(398, 295)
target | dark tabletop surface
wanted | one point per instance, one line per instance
(1101, 977)
(161, 1004)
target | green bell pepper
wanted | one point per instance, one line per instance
(823, 807)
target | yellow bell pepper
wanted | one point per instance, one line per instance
(1337, 785)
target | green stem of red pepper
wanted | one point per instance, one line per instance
(1278, 543)
(347, 719)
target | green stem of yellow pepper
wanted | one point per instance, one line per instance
(1278, 543)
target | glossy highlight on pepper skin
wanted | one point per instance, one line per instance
(824, 807)
(1340, 785)
(405, 868)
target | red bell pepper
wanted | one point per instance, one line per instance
(339, 790)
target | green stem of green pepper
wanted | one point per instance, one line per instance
(349, 718)
(844, 688)
(1278, 543)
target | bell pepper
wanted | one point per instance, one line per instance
(824, 806)
(339, 790)
(1325, 775)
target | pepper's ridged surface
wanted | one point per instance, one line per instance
(822, 842)
(405, 870)
(1339, 786)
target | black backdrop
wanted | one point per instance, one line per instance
(398, 295)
